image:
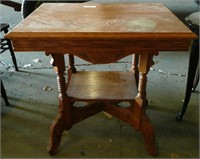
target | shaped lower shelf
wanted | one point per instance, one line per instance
(102, 86)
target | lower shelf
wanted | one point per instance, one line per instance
(102, 85)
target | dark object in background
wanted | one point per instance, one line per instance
(193, 71)
(197, 1)
(7, 45)
(13, 4)
(4, 95)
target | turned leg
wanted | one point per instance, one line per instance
(71, 63)
(145, 126)
(71, 67)
(63, 119)
(135, 60)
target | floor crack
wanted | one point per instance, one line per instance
(167, 73)
(90, 64)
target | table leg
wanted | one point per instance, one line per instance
(71, 68)
(135, 60)
(63, 119)
(71, 63)
(148, 134)
(146, 128)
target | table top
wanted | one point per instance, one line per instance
(147, 25)
(89, 19)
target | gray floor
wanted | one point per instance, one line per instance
(25, 123)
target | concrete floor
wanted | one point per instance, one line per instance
(25, 123)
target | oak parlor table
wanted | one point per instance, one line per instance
(100, 34)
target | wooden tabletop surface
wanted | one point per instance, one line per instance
(102, 20)
(101, 28)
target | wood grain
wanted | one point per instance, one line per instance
(102, 86)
